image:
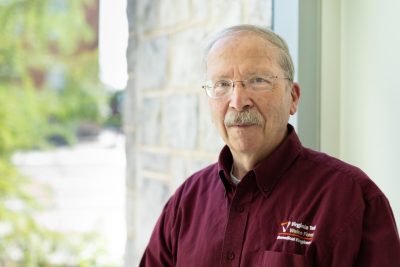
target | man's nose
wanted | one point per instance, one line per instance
(240, 99)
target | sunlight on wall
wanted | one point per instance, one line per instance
(370, 92)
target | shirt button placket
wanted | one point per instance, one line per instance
(240, 209)
(236, 228)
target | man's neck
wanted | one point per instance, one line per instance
(245, 162)
(242, 165)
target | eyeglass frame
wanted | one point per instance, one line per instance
(207, 87)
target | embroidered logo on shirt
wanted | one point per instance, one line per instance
(297, 232)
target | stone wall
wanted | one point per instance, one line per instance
(167, 123)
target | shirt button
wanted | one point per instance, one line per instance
(230, 255)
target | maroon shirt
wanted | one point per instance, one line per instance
(297, 207)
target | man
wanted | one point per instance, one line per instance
(269, 201)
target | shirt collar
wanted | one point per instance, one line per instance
(225, 162)
(269, 170)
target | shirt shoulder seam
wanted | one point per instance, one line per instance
(352, 172)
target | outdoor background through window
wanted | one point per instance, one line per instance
(62, 159)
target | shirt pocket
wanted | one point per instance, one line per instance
(281, 259)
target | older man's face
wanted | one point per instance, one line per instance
(238, 57)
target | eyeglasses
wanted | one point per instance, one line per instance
(224, 88)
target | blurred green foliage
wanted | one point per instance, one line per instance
(48, 72)
(48, 87)
(22, 122)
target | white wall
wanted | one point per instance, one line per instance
(370, 91)
(360, 89)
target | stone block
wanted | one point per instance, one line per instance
(196, 165)
(131, 53)
(131, 224)
(132, 255)
(153, 195)
(151, 67)
(226, 13)
(131, 156)
(128, 106)
(187, 68)
(182, 168)
(155, 162)
(148, 14)
(150, 121)
(199, 10)
(178, 172)
(173, 12)
(131, 14)
(180, 121)
(259, 12)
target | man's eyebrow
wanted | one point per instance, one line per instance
(261, 72)
(247, 74)
(220, 77)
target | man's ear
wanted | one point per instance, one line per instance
(295, 93)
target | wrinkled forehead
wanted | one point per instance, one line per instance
(244, 51)
(244, 38)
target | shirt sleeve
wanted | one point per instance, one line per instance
(158, 252)
(369, 239)
(380, 243)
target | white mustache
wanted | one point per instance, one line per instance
(243, 118)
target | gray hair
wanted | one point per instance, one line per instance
(285, 60)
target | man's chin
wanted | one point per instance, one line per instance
(245, 145)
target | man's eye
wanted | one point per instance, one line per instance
(222, 84)
(260, 81)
